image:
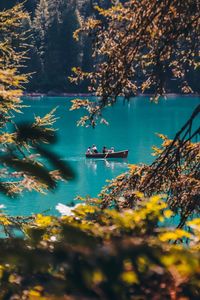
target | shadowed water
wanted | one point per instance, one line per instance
(132, 126)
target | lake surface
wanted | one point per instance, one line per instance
(133, 126)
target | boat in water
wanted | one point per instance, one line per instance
(118, 154)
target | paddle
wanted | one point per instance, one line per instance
(107, 154)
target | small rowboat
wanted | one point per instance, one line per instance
(119, 154)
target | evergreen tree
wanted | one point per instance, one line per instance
(53, 25)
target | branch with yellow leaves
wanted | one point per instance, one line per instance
(139, 47)
(175, 171)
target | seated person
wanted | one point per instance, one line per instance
(94, 149)
(89, 151)
(112, 150)
(104, 150)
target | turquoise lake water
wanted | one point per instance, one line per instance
(133, 126)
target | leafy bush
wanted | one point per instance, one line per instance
(102, 254)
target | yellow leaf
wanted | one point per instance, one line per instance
(98, 277)
(139, 194)
(129, 277)
(4, 220)
(168, 213)
(43, 221)
(174, 235)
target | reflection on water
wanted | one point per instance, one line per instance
(115, 164)
(92, 164)
(111, 164)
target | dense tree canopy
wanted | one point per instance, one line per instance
(54, 52)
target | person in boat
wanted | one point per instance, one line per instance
(94, 149)
(104, 150)
(89, 151)
(112, 150)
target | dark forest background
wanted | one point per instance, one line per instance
(54, 51)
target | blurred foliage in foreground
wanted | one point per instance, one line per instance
(102, 254)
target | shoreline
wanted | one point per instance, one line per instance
(41, 95)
